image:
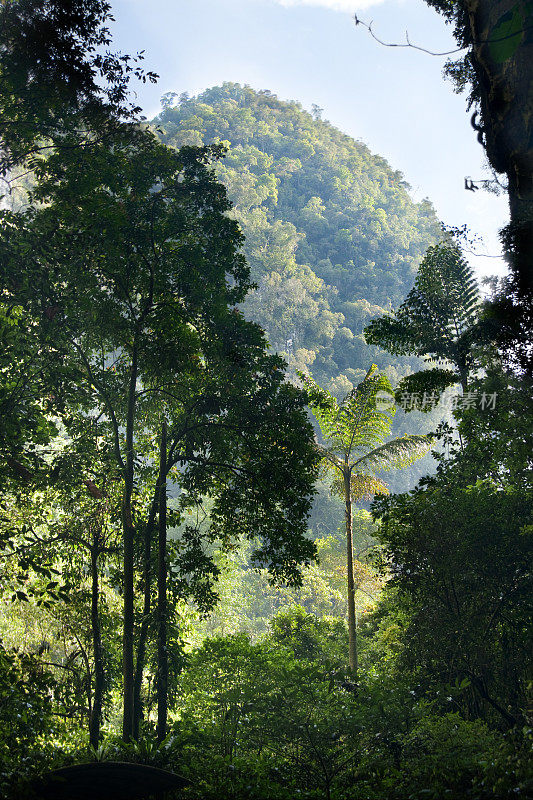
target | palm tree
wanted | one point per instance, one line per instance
(353, 452)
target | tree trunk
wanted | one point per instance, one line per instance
(128, 538)
(162, 655)
(352, 623)
(99, 674)
(145, 622)
(502, 64)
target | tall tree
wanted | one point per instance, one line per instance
(354, 452)
(497, 69)
(59, 84)
(162, 655)
(498, 37)
(437, 320)
(145, 272)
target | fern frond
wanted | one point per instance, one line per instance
(353, 428)
(399, 452)
(365, 486)
(362, 486)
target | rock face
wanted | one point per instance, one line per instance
(332, 235)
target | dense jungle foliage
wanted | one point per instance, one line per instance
(169, 596)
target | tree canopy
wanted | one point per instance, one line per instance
(57, 74)
(332, 236)
(437, 321)
(132, 248)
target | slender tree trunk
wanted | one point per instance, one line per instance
(162, 654)
(463, 372)
(480, 686)
(145, 622)
(352, 624)
(128, 538)
(99, 674)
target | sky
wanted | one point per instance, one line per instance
(393, 99)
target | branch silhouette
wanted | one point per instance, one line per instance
(408, 43)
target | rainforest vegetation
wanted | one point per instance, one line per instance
(265, 450)
(332, 236)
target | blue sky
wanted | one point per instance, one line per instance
(393, 99)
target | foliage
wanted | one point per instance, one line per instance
(61, 557)
(479, 611)
(354, 451)
(269, 717)
(57, 75)
(121, 287)
(354, 431)
(510, 773)
(332, 237)
(458, 548)
(277, 718)
(148, 331)
(143, 297)
(26, 707)
(441, 756)
(308, 637)
(247, 600)
(26, 423)
(437, 320)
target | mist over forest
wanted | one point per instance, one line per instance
(265, 439)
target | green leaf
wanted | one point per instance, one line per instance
(399, 453)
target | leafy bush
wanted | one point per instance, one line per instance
(267, 719)
(26, 691)
(442, 756)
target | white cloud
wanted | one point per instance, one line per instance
(349, 6)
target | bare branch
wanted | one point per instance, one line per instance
(409, 44)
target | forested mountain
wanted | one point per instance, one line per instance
(153, 454)
(332, 235)
(333, 239)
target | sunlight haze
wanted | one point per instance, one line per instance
(310, 51)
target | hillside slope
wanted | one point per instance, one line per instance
(332, 235)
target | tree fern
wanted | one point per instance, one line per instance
(354, 450)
